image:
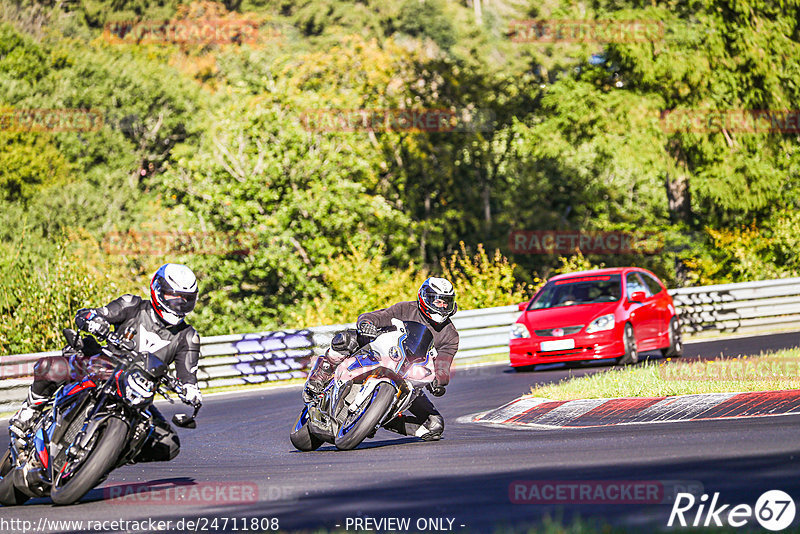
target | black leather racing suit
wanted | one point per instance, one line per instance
(179, 344)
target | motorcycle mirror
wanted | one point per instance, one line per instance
(73, 339)
(184, 421)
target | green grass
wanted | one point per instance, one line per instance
(766, 372)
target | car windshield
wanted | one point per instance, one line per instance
(579, 290)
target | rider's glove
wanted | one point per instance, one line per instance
(435, 389)
(97, 326)
(367, 329)
(192, 394)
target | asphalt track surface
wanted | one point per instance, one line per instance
(242, 442)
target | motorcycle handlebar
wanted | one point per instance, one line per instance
(172, 383)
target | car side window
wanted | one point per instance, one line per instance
(633, 284)
(652, 283)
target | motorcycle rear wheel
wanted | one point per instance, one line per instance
(360, 424)
(101, 459)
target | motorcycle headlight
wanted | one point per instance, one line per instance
(519, 330)
(602, 323)
(139, 388)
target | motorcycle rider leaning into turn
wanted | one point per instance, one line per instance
(159, 328)
(435, 304)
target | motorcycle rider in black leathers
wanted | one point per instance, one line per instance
(159, 328)
(434, 306)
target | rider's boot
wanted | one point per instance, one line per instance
(430, 430)
(22, 421)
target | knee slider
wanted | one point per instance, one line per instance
(51, 369)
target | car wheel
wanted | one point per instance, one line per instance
(631, 355)
(675, 348)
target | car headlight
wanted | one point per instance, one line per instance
(519, 330)
(604, 322)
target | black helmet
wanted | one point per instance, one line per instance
(437, 299)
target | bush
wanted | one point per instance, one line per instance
(771, 250)
(484, 282)
(360, 281)
(39, 297)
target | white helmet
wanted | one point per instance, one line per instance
(437, 299)
(173, 292)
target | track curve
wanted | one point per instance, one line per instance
(242, 446)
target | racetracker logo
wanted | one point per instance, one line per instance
(568, 242)
(731, 370)
(600, 491)
(13, 368)
(586, 31)
(188, 32)
(731, 121)
(133, 243)
(50, 120)
(202, 493)
(397, 120)
(774, 510)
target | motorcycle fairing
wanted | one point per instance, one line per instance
(77, 387)
(346, 428)
(40, 443)
(302, 419)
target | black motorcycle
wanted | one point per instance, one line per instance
(91, 427)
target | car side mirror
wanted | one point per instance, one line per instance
(522, 305)
(638, 296)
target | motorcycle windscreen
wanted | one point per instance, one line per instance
(418, 342)
(155, 367)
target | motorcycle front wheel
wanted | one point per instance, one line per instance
(358, 425)
(9, 494)
(75, 481)
(301, 436)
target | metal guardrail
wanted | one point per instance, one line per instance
(744, 307)
(240, 359)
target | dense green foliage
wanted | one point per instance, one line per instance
(316, 225)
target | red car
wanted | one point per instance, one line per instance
(596, 315)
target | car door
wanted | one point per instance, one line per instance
(661, 302)
(643, 314)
